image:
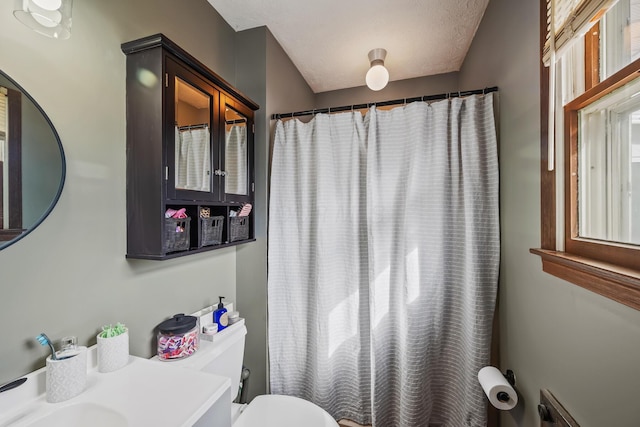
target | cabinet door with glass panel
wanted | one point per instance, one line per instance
(192, 124)
(236, 168)
(189, 153)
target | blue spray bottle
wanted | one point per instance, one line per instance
(220, 316)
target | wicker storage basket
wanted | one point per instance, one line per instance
(211, 230)
(239, 228)
(176, 234)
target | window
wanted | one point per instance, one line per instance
(608, 183)
(591, 202)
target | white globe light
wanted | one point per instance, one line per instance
(49, 20)
(48, 4)
(377, 77)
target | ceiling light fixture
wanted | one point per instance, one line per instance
(377, 76)
(51, 18)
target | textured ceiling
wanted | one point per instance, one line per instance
(328, 40)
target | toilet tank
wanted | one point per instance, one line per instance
(220, 354)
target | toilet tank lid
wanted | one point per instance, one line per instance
(284, 411)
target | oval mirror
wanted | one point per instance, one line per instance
(32, 163)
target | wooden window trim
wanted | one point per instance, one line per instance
(547, 178)
(592, 57)
(612, 271)
(617, 283)
(615, 254)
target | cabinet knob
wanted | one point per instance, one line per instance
(545, 414)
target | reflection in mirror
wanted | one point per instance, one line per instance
(609, 167)
(192, 138)
(235, 131)
(32, 164)
(10, 163)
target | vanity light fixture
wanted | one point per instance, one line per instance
(51, 18)
(377, 76)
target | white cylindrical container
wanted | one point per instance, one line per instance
(210, 329)
(66, 378)
(113, 352)
(234, 317)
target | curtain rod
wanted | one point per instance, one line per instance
(198, 126)
(235, 122)
(385, 103)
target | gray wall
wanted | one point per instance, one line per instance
(583, 347)
(252, 259)
(267, 74)
(70, 276)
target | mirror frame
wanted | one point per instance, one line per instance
(63, 165)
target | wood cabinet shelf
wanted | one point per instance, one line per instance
(190, 137)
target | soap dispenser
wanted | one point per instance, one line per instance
(220, 316)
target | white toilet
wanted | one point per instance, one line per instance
(223, 356)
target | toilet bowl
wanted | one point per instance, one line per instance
(222, 354)
(283, 411)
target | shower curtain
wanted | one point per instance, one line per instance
(193, 158)
(236, 159)
(383, 262)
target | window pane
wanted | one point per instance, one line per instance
(609, 167)
(620, 40)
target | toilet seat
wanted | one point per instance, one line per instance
(283, 411)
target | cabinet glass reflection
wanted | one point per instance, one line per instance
(193, 138)
(235, 136)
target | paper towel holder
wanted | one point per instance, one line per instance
(498, 387)
(503, 396)
(511, 377)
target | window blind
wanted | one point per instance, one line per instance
(571, 20)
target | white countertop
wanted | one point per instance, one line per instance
(145, 392)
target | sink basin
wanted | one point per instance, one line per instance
(81, 414)
(132, 396)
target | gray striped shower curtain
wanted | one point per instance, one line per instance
(383, 261)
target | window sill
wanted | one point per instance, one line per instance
(617, 283)
(10, 234)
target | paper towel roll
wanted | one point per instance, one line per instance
(495, 385)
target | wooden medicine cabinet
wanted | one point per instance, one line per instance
(190, 169)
